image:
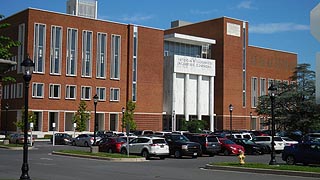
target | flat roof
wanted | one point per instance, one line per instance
(187, 39)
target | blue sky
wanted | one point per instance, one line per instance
(276, 24)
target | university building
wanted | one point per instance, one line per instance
(190, 71)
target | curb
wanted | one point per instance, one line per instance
(15, 148)
(102, 158)
(264, 171)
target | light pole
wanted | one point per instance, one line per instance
(251, 119)
(95, 100)
(173, 120)
(123, 109)
(27, 66)
(230, 110)
(272, 90)
(6, 124)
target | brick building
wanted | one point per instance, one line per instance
(243, 72)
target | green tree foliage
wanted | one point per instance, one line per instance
(31, 119)
(193, 126)
(295, 106)
(6, 43)
(81, 117)
(128, 116)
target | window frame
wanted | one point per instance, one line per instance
(68, 90)
(53, 49)
(52, 88)
(112, 93)
(35, 90)
(83, 95)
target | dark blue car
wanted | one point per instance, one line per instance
(305, 153)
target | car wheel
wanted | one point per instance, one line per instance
(86, 144)
(162, 157)
(73, 143)
(123, 151)
(194, 157)
(145, 154)
(110, 150)
(290, 160)
(177, 154)
(226, 152)
(211, 154)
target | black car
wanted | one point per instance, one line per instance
(209, 143)
(61, 138)
(180, 145)
(252, 147)
(305, 153)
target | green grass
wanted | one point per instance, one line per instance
(275, 167)
(99, 154)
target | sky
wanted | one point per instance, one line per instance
(275, 24)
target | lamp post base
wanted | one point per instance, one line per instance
(273, 162)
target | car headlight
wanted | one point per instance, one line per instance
(233, 148)
(184, 147)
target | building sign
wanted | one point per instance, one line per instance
(233, 29)
(193, 65)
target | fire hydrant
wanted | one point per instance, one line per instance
(241, 158)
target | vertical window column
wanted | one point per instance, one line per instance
(21, 36)
(115, 56)
(56, 50)
(86, 53)
(72, 51)
(134, 64)
(39, 47)
(101, 55)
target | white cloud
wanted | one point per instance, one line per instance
(270, 28)
(245, 5)
(135, 18)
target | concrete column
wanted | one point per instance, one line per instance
(198, 97)
(173, 109)
(211, 103)
(186, 97)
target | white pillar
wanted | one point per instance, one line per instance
(186, 97)
(211, 103)
(173, 121)
(198, 97)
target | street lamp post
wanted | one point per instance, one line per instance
(95, 100)
(28, 66)
(251, 120)
(272, 90)
(6, 124)
(230, 110)
(123, 109)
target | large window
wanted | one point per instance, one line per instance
(85, 92)
(21, 36)
(114, 94)
(134, 65)
(101, 55)
(254, 92)
(56, 50)
(101, 92)
(86, 53)
(71, 91)
(115, 57)
(54, 91)
(37, 90)
(39, 47)
(19, 90)
(72, 46)
(263, 87)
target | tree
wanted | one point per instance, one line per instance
(6, 43)
(81, 117)
(193, 126)
(295, 106)
(31, 119)
(128, 116)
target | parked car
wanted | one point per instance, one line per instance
(305, 153)
(258, 133)
(251, 147)
(311, 137)
(288, 141)
(229, 147)
(61, 138)
(240, 136)
(147, 147)
(18, 138)
(209, 143)
(180, 145)
(84, 140)
(111, 144)
(279, 143)
(143, 132)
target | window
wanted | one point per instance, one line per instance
(37, 90)
(115, 57)
(134, 65)
(13, 91)
(85, 92)
(114, 94)
(55, 51)
(254, 92)
(72, 46)
(101, 55)
(54, 91)
(71, 91)
(263, 88)
(101, 92)
(21, 36)
(19, 90)
(86, 53)
(39, 47)
(6, 90)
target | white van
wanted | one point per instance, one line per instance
(279, 144)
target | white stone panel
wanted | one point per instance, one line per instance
(179, 94)
(204, 95)
(192, 92)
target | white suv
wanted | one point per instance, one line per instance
(279, 144)
(147, 147)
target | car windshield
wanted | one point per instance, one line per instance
(227, 141)
(247, 141)
(180, 138)
(159, 141)
(287, 139)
